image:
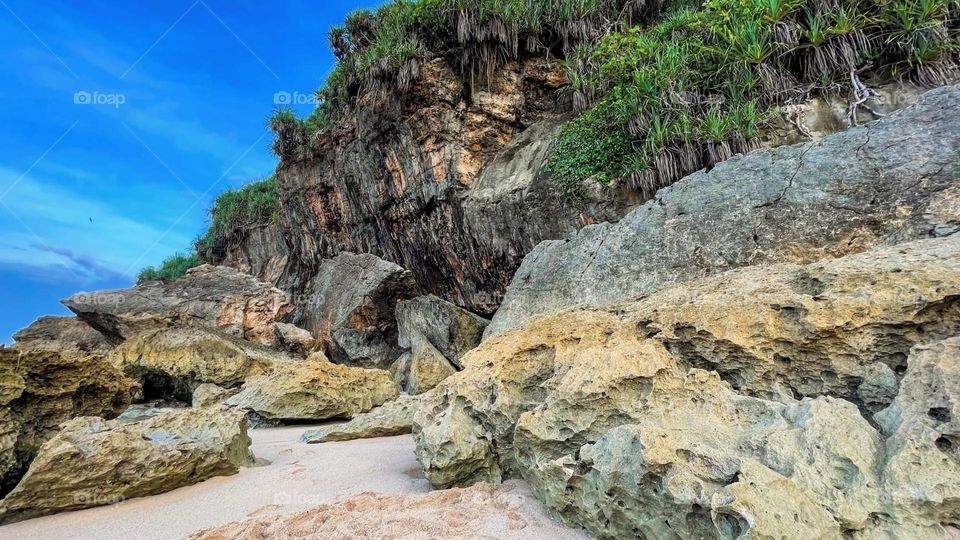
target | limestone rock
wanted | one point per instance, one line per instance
(314, 389)
(427, 368)
(296, 340)
(40, 389)
(62, 334)
(171, 363)
(350, 306)
(208, 394)
(923, 435)
(93, 462)
(730, 407)
(210, 296)
(388, 420)
(839, 195)
(451, 330)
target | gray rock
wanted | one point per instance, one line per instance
(883, 183)
(388, 420)
(210, 296)
(350, 306)
(451, 330)
(94, 462)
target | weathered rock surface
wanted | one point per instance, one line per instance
(922, 426)
(388, 420)
(208, 394)
(480, 511)
(39, 389)
(449, 329)
(210, 296)
(172, 362)
(883, 183)
(62, 334)
(314, 389)
(424, 368)
(613, 417)
(296, 340)
(350, 306)
(93, 462)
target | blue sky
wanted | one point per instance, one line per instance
(123, 120)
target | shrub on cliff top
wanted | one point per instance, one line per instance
(661, 102)
(171, 269)
(382, 51)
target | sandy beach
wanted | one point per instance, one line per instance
(292, 477)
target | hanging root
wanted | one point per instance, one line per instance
(860, 94)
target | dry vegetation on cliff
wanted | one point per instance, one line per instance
(662, 89)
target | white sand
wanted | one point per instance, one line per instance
(299, 476)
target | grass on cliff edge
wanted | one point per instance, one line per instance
(661, 88)
(232, 213)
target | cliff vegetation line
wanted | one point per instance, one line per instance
(661, 89)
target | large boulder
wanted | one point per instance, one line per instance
(449, 329)
(350, 306)
(314, 389)
(882, 183)
(93, 462)
(39, 389)
(62, 334)
(733, 407)
(388, 420)
(210, 296)
(170, 363)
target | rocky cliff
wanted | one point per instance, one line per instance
(446, 182)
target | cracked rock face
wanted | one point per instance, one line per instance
(314, 389)
(350, 307)
(883, 183)
(39, 389)
(388, 420)
(210, 296)
(94, 462)
(740, 405)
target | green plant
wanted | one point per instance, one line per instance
(236, 211)
(171, 269)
